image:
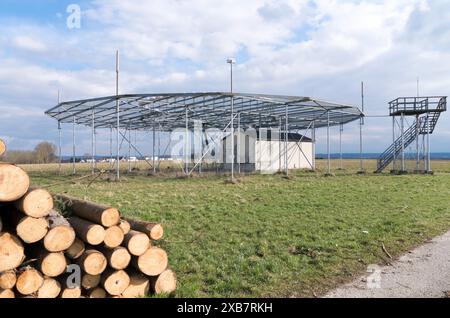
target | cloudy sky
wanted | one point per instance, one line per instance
(322, 48)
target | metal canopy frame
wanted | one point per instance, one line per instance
(168, 111)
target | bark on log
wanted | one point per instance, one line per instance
(11, 252)
(90, 233)
(113, 237)
(152, 263)
(76, 249)
(61, 234)
(154, 231)
(6, 293)
(8, 279)
(137, 243)
(165, 283)
(97, 292)
(96, 213)
(28, 229)
(36, 203)
(139, 286)
(90, 281)
(115, 282)
(92, 262)
(118, 258)
(125, 226)
(50, 289)
(29, 281)
(14, 182)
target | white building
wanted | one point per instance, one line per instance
(265, 151)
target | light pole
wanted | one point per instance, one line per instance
(232, 61)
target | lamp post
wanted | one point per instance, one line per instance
(232, 61)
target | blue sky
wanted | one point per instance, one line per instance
(321, 48)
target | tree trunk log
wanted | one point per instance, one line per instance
(152, 263)
(92, 262)
(76, 249)
(2, 147)
(48, 263)
(29, 281)
(6, 293)
(124, 225)
(36, 203)
(113, 237)
(61, 235)
(11, 252)
(154, 231)
(118, 258)
(50, 289)
(90, 233)
(8, 279)
(115, 282)
(97, 292)
(165, 283)
(14, 182)
(137, 243)
(139, 286)
(96, 213)
(89, 282)
(28, 229)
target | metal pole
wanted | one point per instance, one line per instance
(286, 159)
(417, 143)
(93, 143)
(186, 142)
(340, 146)
(232, 124)
(280, 127)
(111, 142)
(328, 143)
(394, 162)
(118, 116)
(153, 151)
(361, 167)
(428, 145)
(129, 149)
(314, 144)
(403, 141)
(74, 171)
(239, 143)
(159, 146)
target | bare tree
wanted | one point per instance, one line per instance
(45, 152)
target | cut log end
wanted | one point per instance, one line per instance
(76, 249)
(93, 262)
(32, 230)
(118, 258)
(153, 262)
(2, 147)
(36, 203)
(110, 217)
(6, 294)
(8, 279)
(11, 252)
(53, 264)
(137, 243)
(59, 238)
(50, 289)
(14, 182)
(165, 283)
(115, 282)
(29, 281)
(71, 292)
(89, 282)
(157, 232)
(90, 233)
(125, 226)
(139, 287)
(97, 292)
(113, 237)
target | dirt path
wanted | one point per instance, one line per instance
(422, 273)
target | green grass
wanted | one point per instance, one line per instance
(271, 236)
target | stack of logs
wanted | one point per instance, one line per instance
(117, 256)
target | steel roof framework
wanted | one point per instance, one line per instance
(168, 111)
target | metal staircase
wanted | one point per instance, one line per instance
(427, 111)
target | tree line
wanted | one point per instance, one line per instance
(44, 152)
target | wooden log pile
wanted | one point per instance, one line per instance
(118, 257)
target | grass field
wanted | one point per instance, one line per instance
(272, 236)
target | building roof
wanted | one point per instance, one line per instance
(167, 112)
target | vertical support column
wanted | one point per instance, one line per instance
(313, 135)
(328, 144)
(394, 162)
(186, 142)
(74, 171)
(341, 129)
(111, 142)
(417, 143)
(361, 124)
(428, 145)
(159, 146)
(280, 136)
(403, 141)
(93, 143)
(239, 143)
(286, 139)
(59, 147)
(153, 151)
(117, 117)
(232, 130)
(129, 148)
